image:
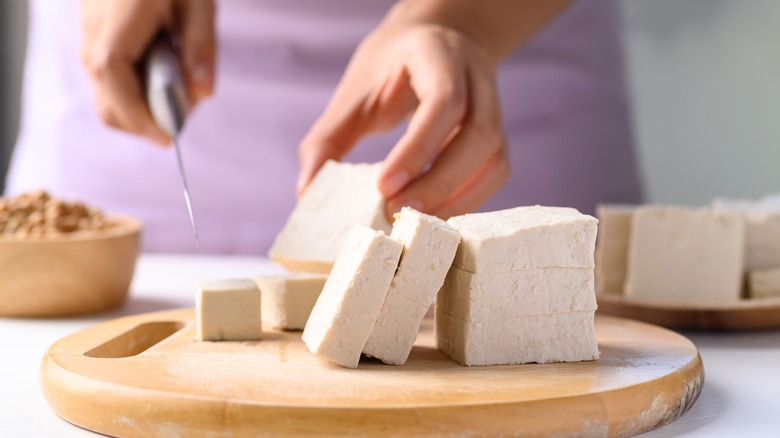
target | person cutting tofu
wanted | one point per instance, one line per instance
(279, 87)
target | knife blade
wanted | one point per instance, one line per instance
(166, 94)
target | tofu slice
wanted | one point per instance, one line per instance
(541, 291)
(429, 248)
(684, 255)
(349, 305)
(288, 299)
(341, 195)
(228, 310)
(395, 329)
(612, 246)
(524, 238)
(565, 337)
(764, 283)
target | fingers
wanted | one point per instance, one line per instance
(359, 106)
(197, 29)
(481, 187)
(116, 35)
(438, 81)
(479, 139)
(121, 104)
(354, 111)
(331, 137)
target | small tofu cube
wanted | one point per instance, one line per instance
(541, 291)
(565, 337)
(764, 283)
(429, 248)
(523, 238)
(612, 247)
(340, 195)
(288, 299)
(349, 305)
(685, 255)
(228, 310)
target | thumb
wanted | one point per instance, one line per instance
(198, 46)
(332, 136)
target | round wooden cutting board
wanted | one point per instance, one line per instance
(146, 375)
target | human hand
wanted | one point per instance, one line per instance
(115, 37)
(448, 85)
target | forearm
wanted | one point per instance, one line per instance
(497, 26)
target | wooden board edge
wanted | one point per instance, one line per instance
(73, 397)
(689, 318)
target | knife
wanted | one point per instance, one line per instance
(166, 94)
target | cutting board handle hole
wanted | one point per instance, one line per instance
(136, 340)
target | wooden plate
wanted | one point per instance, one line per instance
(759, 313)
(146, 375)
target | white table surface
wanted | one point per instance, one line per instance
(741, 395)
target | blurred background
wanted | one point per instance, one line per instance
(704, 78)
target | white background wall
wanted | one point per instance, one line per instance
(705, 76)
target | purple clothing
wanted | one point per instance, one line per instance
(564, 104)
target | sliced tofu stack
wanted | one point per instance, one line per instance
(521, 288)
(612, 247)
(339, 196)
(352, 298)
(288, 299)
(228, 310)
(685, 255)
(429, 248)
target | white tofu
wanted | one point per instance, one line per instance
(349, 305)
(228, 310)
(288, 299)
(395, 330)
(685, 255)
(764, 283)
(523, 238)
(762, 246)
(612, 245)
(542, 291)
(762, 232)
(565, 337)
(429, 247)
(341, 195)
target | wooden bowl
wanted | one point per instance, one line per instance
(82, 272)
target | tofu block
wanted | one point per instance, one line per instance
(341, 195)
(684, 255)
(565, 337)
(762, 246)
(764, 283)
(348, 307)
(524, 238)
(612, 247)
(541, 291)
(288, 299)
(429, 248)
(228, 310)
(762, 232)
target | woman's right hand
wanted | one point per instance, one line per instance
(115, 36)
